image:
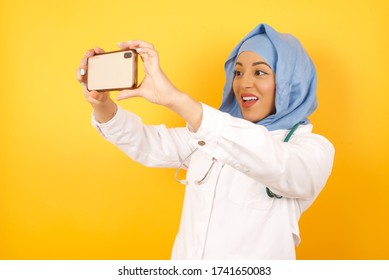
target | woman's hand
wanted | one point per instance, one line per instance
(155, 87)
(104, 107)
(93, 97)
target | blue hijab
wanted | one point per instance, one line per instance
(295, 77)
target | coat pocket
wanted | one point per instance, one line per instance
(249, 193)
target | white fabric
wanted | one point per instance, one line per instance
(229, 215)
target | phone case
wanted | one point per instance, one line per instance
(112, 71)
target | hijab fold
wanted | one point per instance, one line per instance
(295, 73)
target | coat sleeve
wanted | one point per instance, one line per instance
(150, 145)
(296, 169)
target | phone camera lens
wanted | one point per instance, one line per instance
(128, 55)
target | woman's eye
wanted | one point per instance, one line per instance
(259, 73)
(237, 73)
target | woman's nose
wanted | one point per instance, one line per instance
(246, 81)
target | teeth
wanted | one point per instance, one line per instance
(249, 98)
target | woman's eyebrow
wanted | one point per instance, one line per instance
(261, 62)
(255, 63)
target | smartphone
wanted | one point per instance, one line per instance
(116, 70)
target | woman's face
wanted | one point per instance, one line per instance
(254, 86)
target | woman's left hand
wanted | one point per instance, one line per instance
(155, 87)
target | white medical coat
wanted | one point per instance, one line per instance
(229, 215)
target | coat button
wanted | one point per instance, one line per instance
(201, 143)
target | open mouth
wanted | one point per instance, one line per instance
(248, 100)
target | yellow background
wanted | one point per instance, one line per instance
(65, 193)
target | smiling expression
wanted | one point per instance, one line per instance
(254, 86)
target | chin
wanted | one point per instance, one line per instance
(252, 119)
(255, 117)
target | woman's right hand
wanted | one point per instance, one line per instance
(103, 106)
(93, 97)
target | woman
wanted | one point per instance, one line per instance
(248, 179)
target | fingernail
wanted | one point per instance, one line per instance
(82, 71)
(87, 53)
(82, 83)
(139, 49)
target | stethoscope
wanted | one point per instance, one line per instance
(205, 177)
(197, 182)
